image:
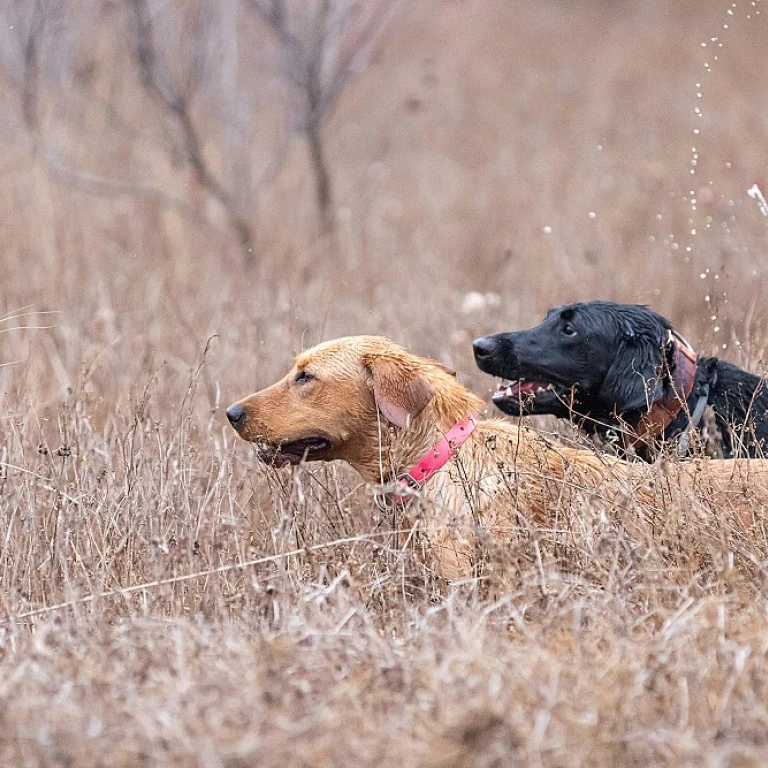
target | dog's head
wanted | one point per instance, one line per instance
(595, 358)
(336, 400)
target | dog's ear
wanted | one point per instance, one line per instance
(635, 379)
(401, 393)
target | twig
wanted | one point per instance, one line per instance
(303, 66)
(98, 185)
(161, 89)
(190, 576)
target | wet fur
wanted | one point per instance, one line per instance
(381, 409)
(615, 364)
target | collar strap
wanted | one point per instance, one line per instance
(437, 457)
(682, 378)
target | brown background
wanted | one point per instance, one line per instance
(164, 251)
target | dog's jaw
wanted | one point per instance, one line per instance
(312, 448)
(531, 397)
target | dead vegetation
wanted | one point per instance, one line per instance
(168, 601)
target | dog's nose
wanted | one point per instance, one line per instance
(235, 415)
(484, 348)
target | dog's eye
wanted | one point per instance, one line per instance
(569, 330)
(303, 377)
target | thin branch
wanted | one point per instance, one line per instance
(303, 67)
(98, 185)
(31, 75)
(122, 591)
(381, 22)
(272, 12)
(160, 87)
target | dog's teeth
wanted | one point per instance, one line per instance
(541, 389)
(508, 391)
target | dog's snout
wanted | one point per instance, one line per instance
(484, 347)
(235, 414)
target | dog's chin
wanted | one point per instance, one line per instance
(294, 451)
(530, 398)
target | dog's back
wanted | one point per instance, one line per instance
(739, 401)
(385, 411)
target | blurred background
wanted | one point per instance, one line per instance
(272, 173)
(191, 191)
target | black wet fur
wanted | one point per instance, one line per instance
(608, 362)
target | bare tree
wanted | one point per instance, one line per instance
(21, 60)
(175, 48)
(176, 102)
(324, 45)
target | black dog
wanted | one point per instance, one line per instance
(622, 368)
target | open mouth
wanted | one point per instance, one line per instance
(522, 389)
(294, 452)
(524, 395)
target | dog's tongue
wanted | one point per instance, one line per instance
(523, 387)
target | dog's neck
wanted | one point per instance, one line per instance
(680, 373)
(398, 450)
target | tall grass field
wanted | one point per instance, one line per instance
(193, 192)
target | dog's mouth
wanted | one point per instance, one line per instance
(527, 395)
(294, 451)
(522, 388)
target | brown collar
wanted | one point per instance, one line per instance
(663, 412)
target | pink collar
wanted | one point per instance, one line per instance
(436, 459)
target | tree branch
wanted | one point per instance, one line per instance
(303, 66)
(159, 85)
(99, 185)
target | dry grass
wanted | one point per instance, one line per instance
(127, 325)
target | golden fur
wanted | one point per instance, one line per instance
(366, 400)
